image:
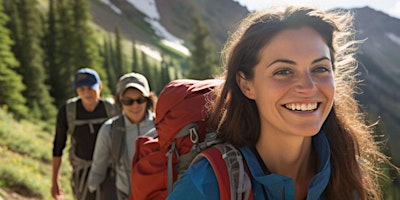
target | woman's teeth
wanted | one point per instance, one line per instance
(302, 107)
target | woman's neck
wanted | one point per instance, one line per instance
(291, 156)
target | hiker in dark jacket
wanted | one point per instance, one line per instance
(137, 119)
(80, 118)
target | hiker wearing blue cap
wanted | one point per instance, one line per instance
(81, 118)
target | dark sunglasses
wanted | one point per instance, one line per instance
(128, 102)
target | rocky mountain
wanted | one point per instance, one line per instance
(380, 69)
(379, 55)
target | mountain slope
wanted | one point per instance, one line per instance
(220, 16)
(379, 54)
(380, 60)
(175, 16)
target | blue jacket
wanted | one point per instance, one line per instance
(200, 182)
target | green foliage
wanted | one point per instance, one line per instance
(107, 54)
(11, 84)
(72, 45)
(115, 60)
(25, 154)
(203, 57)
(120, 60)
(389, 183)
(22, 174)
(18, 136)
(135, 61)
(145, 65)
(25, 26)
(165, 75)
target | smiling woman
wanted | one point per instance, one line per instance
(137, 119)
(287, 103)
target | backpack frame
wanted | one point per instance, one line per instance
(77, 163)
(182, 140)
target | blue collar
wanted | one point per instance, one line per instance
(275, 186)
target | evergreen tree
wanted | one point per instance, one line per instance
(155, 76)
(120, 66)
(71, 45)
(63, 67)
(108, 64)
(84, 50)
(27, 33)
(11, 85)
(52, 56)
(203, 59)
(165, 77)
(135, 63)
(145, 65)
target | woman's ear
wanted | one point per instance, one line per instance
(245, 85)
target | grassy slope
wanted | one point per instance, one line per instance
(25, 157)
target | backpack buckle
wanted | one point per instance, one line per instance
(194, 137)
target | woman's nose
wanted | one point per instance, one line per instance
(306, 83)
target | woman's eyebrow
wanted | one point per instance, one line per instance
(291, 62)
(321, 59)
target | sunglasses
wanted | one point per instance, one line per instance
(128, 102)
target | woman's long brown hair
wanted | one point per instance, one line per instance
(354, 154)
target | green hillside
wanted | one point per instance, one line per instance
(25, 157)
(26, 143)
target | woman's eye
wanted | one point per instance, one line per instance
(321, 69)
(283, 72)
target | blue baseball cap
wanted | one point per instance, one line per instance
(87, 77)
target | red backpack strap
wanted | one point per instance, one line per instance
(231, 171)
(214, 155)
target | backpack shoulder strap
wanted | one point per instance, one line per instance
(231, 171)
(117, 136)
(109, 105)
(71, 113)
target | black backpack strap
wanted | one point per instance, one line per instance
(109, 105)
(70, 110)
(117, 136)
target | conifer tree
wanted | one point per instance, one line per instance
(25, 26)
(135, 63)
(165, 77)
(54, 59)
(85, 50)
(63, 67)
(73, 45)
(155, 76)
(10, 81)
(120, 66)
(145, 65)
(108, 64)
(203, 59)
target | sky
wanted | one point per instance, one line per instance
(390, 7)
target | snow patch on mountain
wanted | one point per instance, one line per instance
(112, 6)
(393, 37)
(149, 51)
(149, 8)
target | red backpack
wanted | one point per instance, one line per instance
(183, 135)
